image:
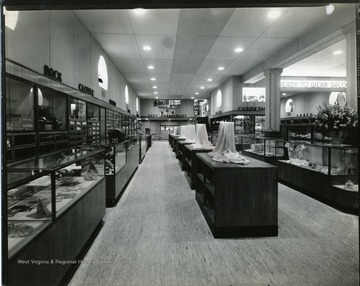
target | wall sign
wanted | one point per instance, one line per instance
(250, 108)
(85, 89)
(54, 74)
(286, 83)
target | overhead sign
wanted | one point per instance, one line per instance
(313, 84)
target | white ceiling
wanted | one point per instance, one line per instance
(188, 45)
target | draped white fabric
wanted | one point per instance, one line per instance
(190, 133)
(175, 130)
(202, 141)
(225, 150)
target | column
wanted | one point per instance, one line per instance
(272, 102)
(351, 90)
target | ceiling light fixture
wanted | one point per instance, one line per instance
(155, 92)
(146, 48)
(329, 9)
(338, 52)
(274, 14)
(154, 87)
(153, 79)
(209, 79)
(238, 50)
(151, 67)
(221, 68)
(139, 11)
(202, 87)
(156, 97)
(192, 97)
(196, 93)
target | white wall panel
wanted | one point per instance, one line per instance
(62, 56)
(28, 44)
(82, 54)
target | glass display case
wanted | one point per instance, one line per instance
(77, 124)
(51, 110)
(19, 105)
(121, 161)
(327, 171)
(42, 188)
(115, 159)
(267, 149)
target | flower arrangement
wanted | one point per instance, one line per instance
(335, 119)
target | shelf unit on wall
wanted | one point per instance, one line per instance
(237, 200)
(43, 116)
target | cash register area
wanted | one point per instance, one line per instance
(157, 235)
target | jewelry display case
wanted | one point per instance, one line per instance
(49, 197)
(267, 149)
(328, 172)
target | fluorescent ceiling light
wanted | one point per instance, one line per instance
(202, 87)
(338, 52)
(196, 93)
(274, 14)
(153, 79)
(154, 87)
(238, 50)
(221, 68)
(209, 79)
(156, 97)
(139, 11)
(146, 48)
(151, 67)
(192, 97)
(155, 92)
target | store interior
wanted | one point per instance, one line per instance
(251, 103)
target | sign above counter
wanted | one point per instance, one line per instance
(287, 84)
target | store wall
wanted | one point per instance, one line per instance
(304, 103)
(232, 96)
(155, 126)
(147, 107)
(227, 92)
(60, 40)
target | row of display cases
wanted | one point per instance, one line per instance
(40, 120)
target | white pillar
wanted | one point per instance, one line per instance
(272, 102)
(351, 90)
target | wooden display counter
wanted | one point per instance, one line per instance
(189, 163)
(237, 200)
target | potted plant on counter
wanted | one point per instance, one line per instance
(335, 120)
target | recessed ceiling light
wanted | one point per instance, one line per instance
(338, 52)
(192, 97)
(274, 14)
(151, 67)
(153, 79)
(284, 93)
(154, 87)
(330, 9)
(202, 87)
(146, 48)
(156, 97)
(221, 68)
(196, 93)
(238, 50)
(155, 92)
(209, 79)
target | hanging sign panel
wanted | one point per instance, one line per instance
(312, 84)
